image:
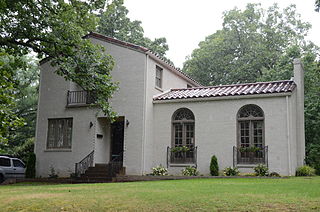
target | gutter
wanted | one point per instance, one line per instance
(288, 136)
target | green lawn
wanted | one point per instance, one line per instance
(293, 194)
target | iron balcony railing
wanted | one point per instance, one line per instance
(80, 98)
(182, 157)
(84, 164)
(250, 156)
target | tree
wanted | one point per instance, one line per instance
(317, 5)
(250, 43)
(55, 29)
(8, 87)
(115, 23)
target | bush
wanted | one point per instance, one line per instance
(305, 171)
(190, 171)
(313, 157)
(53, 174)
(214, 167)
(159, 171)
(229, 171)
(31, 166)
(274, 174)
(22, 152)
(261, 170)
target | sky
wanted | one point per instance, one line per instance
(184, 23)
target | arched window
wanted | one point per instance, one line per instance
(250, 127)
(183, 128)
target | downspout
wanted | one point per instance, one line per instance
(288, 136)
(144, 117)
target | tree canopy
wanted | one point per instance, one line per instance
(115, 23)
(250, 43)
(55, 29)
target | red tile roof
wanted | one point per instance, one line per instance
(229, 90)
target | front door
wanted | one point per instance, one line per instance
(117, 132)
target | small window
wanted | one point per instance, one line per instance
(59, 133)
(18, 163)
(5, 162)
(159, 77)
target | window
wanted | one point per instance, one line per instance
(158, 77)
(250, 126)
(251, 148)
(5, 162)
(18, 163)
(59, 133)
(183, 128)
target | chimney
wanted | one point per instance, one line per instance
(299, 80)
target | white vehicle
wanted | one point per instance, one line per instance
(11, 167)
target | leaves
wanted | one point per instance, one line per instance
(250, 44)
(55, 29)
(8, 87)
(115, 23)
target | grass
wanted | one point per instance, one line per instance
(292, 194)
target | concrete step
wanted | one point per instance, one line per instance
(95, 179)
(93, 174)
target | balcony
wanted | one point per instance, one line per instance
(80, 98)
(250, 156)
(181, 158)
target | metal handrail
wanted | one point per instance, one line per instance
(80, 97)
(82, 166)
(187, 157)
(247, 157)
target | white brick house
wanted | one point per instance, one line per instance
(160, 108)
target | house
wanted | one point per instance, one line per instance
(165, 117)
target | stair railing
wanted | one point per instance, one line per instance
(84, 164)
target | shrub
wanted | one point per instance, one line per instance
(313, 157)
(274, 174)
(214, 167)
(31, 166)
(229, 171)
(159, 171)
(190, 171)
(305, 171)
(53, 174)
(261, 170)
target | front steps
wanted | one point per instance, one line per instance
(102, 173)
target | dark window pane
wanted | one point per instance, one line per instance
(5, 162)
(18, 163)
(59, 133)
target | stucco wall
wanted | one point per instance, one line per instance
(216, 131)
(128, 101)
(169, 80)
(52, 104)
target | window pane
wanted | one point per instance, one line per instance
(178, 134)
(5, 162)
(59, 133)
(18, 163)
(189, 134)
(158, 76)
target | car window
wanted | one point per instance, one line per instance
(5, 162)
(17, 163)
